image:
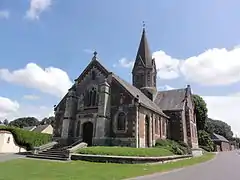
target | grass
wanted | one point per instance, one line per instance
(25, 169)
(125, 151)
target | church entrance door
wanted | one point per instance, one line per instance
(88, 133)
(147, 132)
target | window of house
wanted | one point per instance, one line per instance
(93, 75)
(164, 127)
(160, 126)
(156, 126)
(8, 140)
(121, 121)
(91, 97)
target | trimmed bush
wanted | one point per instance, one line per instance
(27, 139)
(179, 148)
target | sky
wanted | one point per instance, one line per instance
(46, 44)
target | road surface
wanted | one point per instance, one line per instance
(225, 166)
(7, 157)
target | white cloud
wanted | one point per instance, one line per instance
(4, 14)
(88, 51)
(212, 67)
(51, 80)
(31, 97)
(37, 7)
(167, 67)
(7, 107)
(11, 110)
(165, 88)
(224, 108)
(124, 63)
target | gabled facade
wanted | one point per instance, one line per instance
(103, 109)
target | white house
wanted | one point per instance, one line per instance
(8, 144)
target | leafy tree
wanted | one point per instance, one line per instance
(204, 140)
(24, 122)
(5, 122)
(49, 120)
(219, 127)
(0, 122)
(201, 111)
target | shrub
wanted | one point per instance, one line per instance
(178, 148)
(205, 141)
(27, 139)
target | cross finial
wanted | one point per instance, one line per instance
(144, 24)
(94, 55)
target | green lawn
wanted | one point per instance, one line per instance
(125, 151)
(24, 169)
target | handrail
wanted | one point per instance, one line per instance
(45, 146)
(73, 144)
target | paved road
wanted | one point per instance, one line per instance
(7, 157)
(226, 165)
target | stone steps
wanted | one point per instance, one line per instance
(38, 156)
(52, 154)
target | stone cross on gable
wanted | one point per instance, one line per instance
(122, 97)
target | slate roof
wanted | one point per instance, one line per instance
(28, 128)
(217, 137)
(143, 53)
(144, 100)
(171, 99)
(40, 128)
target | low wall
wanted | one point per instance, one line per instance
(126, 159)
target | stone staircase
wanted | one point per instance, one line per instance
(57, 152)
(60, 154)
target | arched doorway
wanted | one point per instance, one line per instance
(147, 132)
(87, 133)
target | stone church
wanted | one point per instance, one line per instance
(103, 109)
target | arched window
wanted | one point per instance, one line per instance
(78, 129)
(156, 126)
(93, 75)
(121, 121)
(91, 97)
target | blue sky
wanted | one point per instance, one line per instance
(193, 42)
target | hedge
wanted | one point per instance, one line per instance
(27, 139)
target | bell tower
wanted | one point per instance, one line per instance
(144, 73)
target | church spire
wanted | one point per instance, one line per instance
(143, 54)
(144, 70)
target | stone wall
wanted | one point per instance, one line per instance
(156, 126)
(175, 125)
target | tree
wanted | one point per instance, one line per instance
(0, 122)
(219, 127)
(24, 122)
(200, 111)
(204, 140)
(5, 122)
(49, 120)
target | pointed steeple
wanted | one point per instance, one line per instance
(144, 72)
(143, 54)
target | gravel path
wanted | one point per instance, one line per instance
(7, 157)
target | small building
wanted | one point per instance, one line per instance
(220, 143)
(8, 144)
(46, 128)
